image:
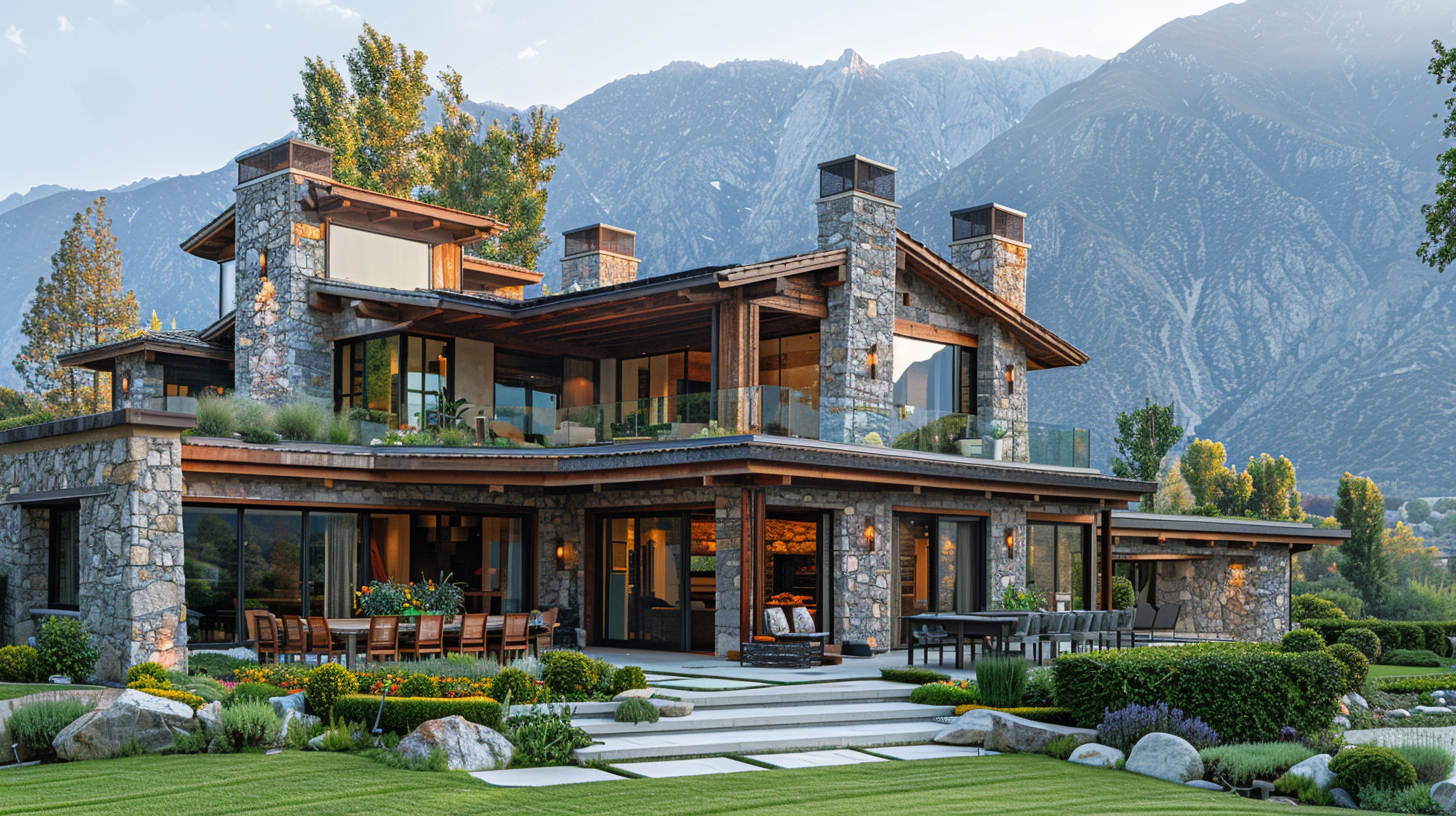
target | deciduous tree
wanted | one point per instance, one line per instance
(1273, 496)
(1439, 248)
(1144, 437)
(1360, 508)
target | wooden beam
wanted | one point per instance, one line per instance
(428, 224)
(374, 310)
(1158, 557)
(808, 262)
(831, 277)
(319, 301)
(376, 217)
(933, 334)
(1104, 540)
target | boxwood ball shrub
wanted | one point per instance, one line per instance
(1302, 640)
(568, 673)
(952, 693)
(628, 677)
(635, 710)
(1392, 634)
(1372, 766)
(65, 648)
(1363, 639)
(152, 670)
(1123, 595)
(1419, 658)
(419, 685)
(19, 664)
(1307, 607)
(513, 687)
(1355, 665)
(326, 684)
(404, 714)
(1246, 692)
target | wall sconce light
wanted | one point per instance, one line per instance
(441, 361)
(263, 265)
(126, 386)
(873, 359)
(1010, 542)
(869, 533)
(564, 554)
(1236, 575)
(1010, 380)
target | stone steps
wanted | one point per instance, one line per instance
(864, 692)
(753, 717)
(700, 743)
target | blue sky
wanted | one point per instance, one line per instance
(99, 94)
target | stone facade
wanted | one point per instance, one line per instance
(997, 263)
(282, 351)
(131, 596)
(144, 383)
(589, 270)
(1241, 594)
(861, 318)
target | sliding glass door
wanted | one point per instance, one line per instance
(644, 562)
(941, 565)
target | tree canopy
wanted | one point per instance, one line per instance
(375, 123)
(1360, 508)
(1439, 247)
(1144, 437)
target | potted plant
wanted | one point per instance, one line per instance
(368, 424)
(998, 441)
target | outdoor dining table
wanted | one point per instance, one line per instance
(963, 625)
(351, 629)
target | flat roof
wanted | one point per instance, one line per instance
(1133, 524)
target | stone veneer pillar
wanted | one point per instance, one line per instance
(861, 317)
(999, 264)
(136, 383)
(590, 270)
(281, 350)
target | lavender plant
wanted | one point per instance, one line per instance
(1122, 729)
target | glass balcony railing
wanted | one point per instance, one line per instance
(787, 412)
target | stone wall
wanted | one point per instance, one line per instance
(1240, 594)
(282, 352)
(145, 385)
(131, 596)
(996, 263)
(861, 317)
(594, 269)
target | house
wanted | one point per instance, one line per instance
(661, 458)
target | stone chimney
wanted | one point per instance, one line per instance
(988, 244)
(857, 212)
(598, 255)
(281, 350)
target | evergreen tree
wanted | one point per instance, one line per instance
(1360, 508)
(1439, 248)
(80, 305)
(375, 124)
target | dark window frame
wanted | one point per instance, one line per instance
(399, 392)
(54, 515)
(1089, 566)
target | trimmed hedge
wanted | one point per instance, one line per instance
(1244, 691)
(917, 676)
(1046, 714)
(404, 714)
(951, 693)
(1393, 634)
(1421, 658)
(1417, 684)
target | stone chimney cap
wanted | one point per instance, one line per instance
(598, 225)
(1001, 207)
(855, 157)
(286, 140)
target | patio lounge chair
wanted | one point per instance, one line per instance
(1088, 630)
(1121, 625)
(1167, 618)
(1143, 621)
(1027, 634)
(1056, 631)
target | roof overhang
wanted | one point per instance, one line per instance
(103, 358)
(1128, 524)
(402, 217)
(217, 240)
(495, 274)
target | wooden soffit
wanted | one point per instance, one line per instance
(402, 217)
(217, 241)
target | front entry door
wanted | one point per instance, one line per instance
(644, 597)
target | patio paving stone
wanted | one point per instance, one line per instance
(686, 767)
(544, 777)
(932, 751)
(706, 684)
(815, 759)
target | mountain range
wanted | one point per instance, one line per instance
(1223, 216)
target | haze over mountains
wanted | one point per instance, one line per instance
(1225, 215)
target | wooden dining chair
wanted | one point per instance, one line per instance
(429, 637)
(383, 638)
(321, 640)
(265, 637)
(544, 641)
(250, 620)
(472, 635)
(514, 636)
(295, 638)
(495, 628)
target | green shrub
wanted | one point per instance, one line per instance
(65, 648)
(35, 725)
(191, 700)
(326, 684)
(1422, 658)
(457, 437)
(340, 431)
(404, 714)
(1123, 595)
(1392, 634)
(951, 693)
(1244, 691)
(544, 737)
(19, 664)
(33, 418)
(605, 673)
(1062, 747)
(568, 673)
(1430, 759)
(1415, 685)
(254, 693)
(216, 416)
(917, 676)
(1045, 714)
(204, 687)
(194, 742)
(1372, 766)
(1305, 607)
(635, 710)
(419, 685)
(1354, 665)
(1302, 640)
(1241, 764)
(254, 435)
(1000, 681)
(341, 736)
(513, 685)
(1041, 689)
(250, 724)
(152, 670)
(628, 677)
(1364, 640)
(1304, 789)
(1414, 799)
(302, 420)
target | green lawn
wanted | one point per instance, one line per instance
(1403, 671)
(312, 783)
(9, 691)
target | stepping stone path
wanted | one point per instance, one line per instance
(932, 751)
(815, 759)
(672, 768)
(544, 777)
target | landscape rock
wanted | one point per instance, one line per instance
(673, 708)
(288, 702)
(207, 716)
(302, 720)
(1097, 755)
(1343, 798)
(1356, 699)
(1443, 793)
(970, 728)
(132, 717)
(1341, 721)
(1012, 733)
(1421, 709)
(633, 694)
(1397, 713)
(317, 743)
(1165, 756)
(467, 745)
(1208, 786)
(1316, 768)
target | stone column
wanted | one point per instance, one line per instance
(862, 573)
(137, 383)
(281, 350)
(854, 402)
(1005, 568)
(999, 264)
(728, 522)
(562, 524)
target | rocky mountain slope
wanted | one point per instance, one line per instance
(1226, 216)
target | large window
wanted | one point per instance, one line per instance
(666, 388)
(378, 260)
(489, 555)
(940, 564)
(210, 565)
(527, 394)
(401, 377)
(934, 376)
(788, 370)
(65, 558)
(1058, 563)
